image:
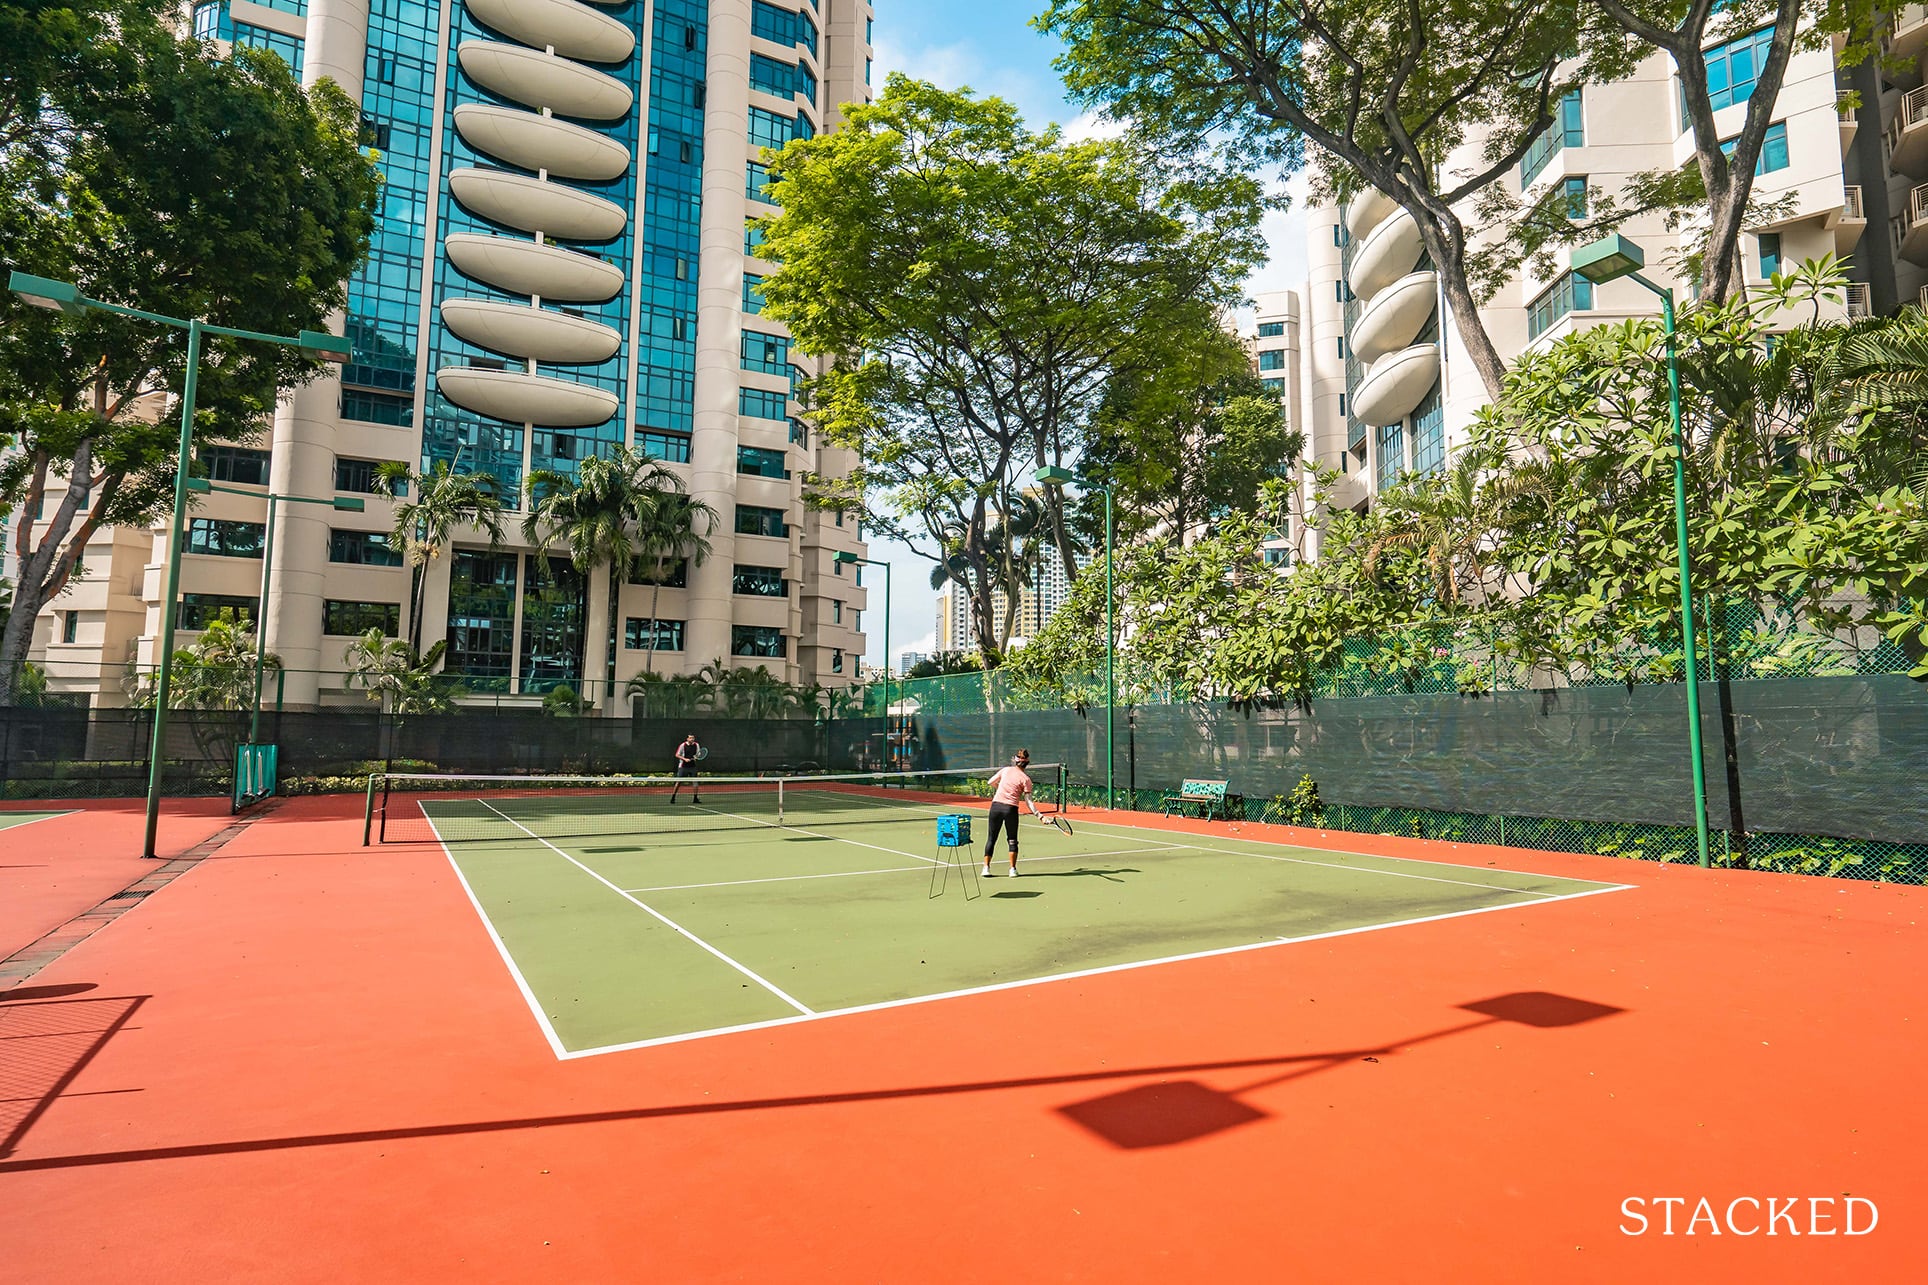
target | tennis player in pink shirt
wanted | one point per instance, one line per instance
(1009, 786)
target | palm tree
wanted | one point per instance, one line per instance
(394, 675)
(432, 505)
(668, 540)
(664, 697)
(616, 510)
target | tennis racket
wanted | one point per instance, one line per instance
(702, 752)
(1057, 821)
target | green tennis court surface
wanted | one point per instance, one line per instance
(8, 819)
(721, 919)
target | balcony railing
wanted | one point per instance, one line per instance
(1922, 300)
(1918, 206)
(1851, 203)
(1912, 112)
(1860, 303)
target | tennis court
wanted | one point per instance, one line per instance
(627, 918)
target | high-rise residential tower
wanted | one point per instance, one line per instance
(562, 263)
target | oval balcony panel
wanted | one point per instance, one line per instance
(1395, 384)
(1395, 315)
(1387, 254)
(525, 399)
(540, 142)
(517, 330)
(540, 80)
(1366, 211)
(575, 30)
(525, 268)
(531, 205)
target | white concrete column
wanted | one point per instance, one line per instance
(304, 427)
(719, 325)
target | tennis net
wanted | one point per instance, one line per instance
(418, 807)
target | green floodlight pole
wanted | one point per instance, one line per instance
(63, 296)
(1051, 475)
(347, 504)
(847, 557)
(1610, 260)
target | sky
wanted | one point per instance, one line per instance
(989, 46)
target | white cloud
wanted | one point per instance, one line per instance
(1091, 126)
(962, 66)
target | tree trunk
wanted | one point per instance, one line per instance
(1446, 241)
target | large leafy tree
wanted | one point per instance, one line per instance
(977, 286)
(1382, 92)
(1188, 442)
(164, 178)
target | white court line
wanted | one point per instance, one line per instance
(1378, 856)
(655, 914)
(501, 948)
(1062, 977)
(850, 874)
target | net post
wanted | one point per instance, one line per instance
(368, 811)
(780, 801)
(386, 781)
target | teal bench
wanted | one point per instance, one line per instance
(1208, 797)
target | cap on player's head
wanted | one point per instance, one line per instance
(1021, 757)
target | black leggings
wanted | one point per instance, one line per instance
(1006, 816)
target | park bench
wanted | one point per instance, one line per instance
(1208, 797)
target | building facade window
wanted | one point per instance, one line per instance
(1770, 247)
(1569, 294)
(836, 611)
(225, 539)
(1733, 69)
(759, 582)
(1429, 434)
(667, 636)
(69, 626)
(836, 660)
(1569, 130)
(236, 464)
(758, 640)
(765, 354)
(752, 520)
(356, 618)
(762, 403)
(554, 600)
(671, 448)
(752, 296)
(755, 461)
(362, 549)
(1773, 149)
(370, 407)
(197, 609)
(1271, 329)
(782, 26)
(1574, 189)
(1272, 359)
(359, 477)
(1389, 459)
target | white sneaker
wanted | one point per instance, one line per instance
(988, 872)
